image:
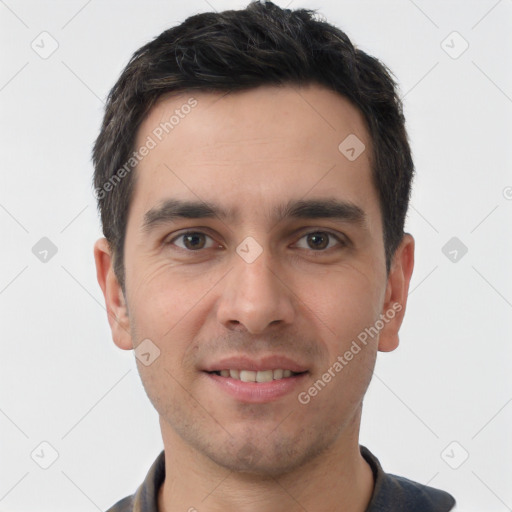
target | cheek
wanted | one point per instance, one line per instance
(344, 300)
(348, 303)
(167, 303)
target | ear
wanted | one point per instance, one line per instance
(397, 289)
(114, 298)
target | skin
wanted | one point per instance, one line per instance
(251, 151)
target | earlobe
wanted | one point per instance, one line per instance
(397, 290)
(117, 310)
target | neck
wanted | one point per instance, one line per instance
(337, 479)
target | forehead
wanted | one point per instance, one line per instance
(253, 149)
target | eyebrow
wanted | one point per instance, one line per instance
(174, 209)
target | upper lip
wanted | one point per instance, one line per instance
(256, 364)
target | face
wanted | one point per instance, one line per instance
(254, 251)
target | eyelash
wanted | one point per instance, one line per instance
(341, 242)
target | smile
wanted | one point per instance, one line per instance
(257, 376)
(255, 387)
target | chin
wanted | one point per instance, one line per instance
(266, 458)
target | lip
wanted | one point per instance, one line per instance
(256, 392)
(260, 364)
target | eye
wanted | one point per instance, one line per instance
(192, 241)
(319, 241)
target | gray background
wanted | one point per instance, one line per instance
(444, 394)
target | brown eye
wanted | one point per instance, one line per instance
(318, 240)
(192, 241)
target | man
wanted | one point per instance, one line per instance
(253, 175)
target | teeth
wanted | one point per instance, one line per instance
(278, 374)
(252, 376)
(265, 376)
(247, 376)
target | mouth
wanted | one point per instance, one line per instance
(259, 376)
(247, 380)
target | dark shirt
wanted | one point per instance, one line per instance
(391, 493)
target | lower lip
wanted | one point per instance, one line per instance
(257, 392)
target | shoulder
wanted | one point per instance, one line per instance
(396, 493)
(145, 498)
(415, 496)
(124, 505)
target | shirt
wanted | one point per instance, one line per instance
(391, 493)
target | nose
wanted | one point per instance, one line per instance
(255, 295)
